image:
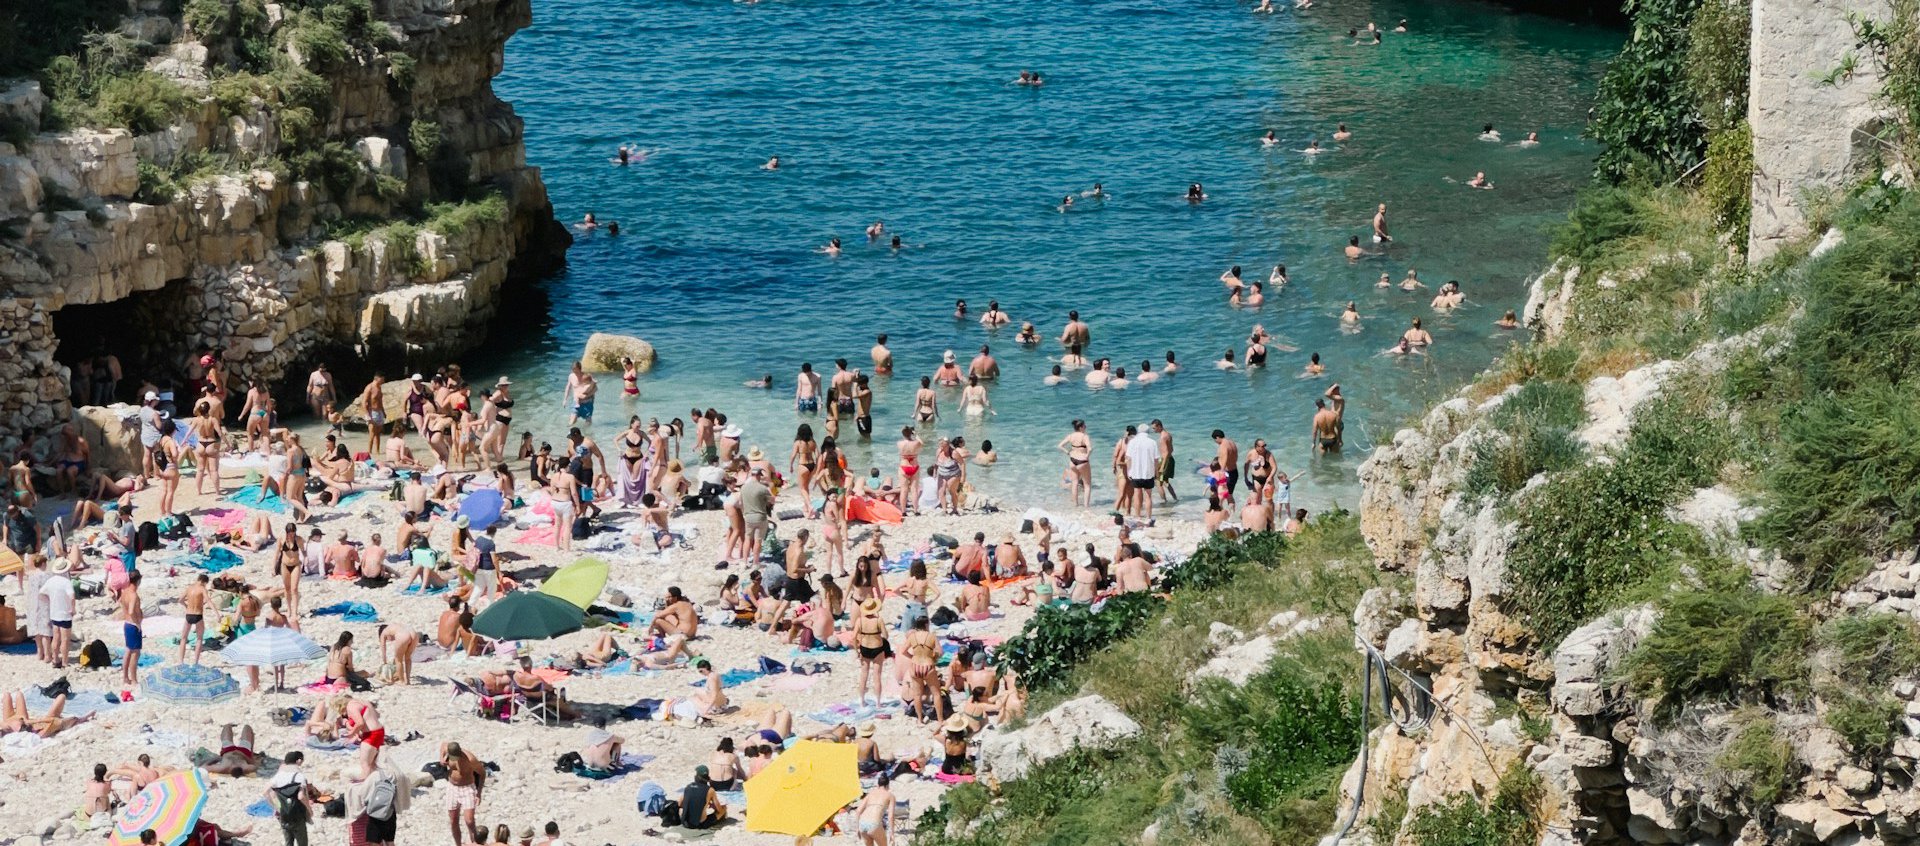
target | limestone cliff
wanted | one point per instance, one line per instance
(406, 208)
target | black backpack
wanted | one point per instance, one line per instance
(670, 812)
(292, 810)
(568, 762)
(146, 538)
(582, 528)
(95, 656)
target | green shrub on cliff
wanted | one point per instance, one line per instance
(1538, 422)
(1511, 818)
(1759, 758)
(1722, 641)
(455, 218)
(1646, 116)
(32, 35)
(106, 84)
(1727, 182)
(1061, 637)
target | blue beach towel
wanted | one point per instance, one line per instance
(352, 612)
(414, 590)
(256, 496)
(260, 808)
(732, 678)
(218, 559)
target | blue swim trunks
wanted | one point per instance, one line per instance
(583, 410)
(133, 635)
(810, 405)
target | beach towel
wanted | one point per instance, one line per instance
(256, 496)
(319, 689)
(214, 560)
(538, 536)
(223, 519)
(260, 808)
(352, 612)
(794, 684)
(18, 648)
(943, 778)
(416, 590)
(642, 709)
(731, 678)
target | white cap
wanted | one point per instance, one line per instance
(152, 397)
(414, 378)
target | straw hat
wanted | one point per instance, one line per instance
(866, 729)
(870, 606)
(61, 567)
(756, 455)
(461, 522)
(956, 724)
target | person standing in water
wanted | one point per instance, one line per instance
(580, 390)
(882, 357)
(1076, 333)
(806, 390)
(373, 404)
(1329, 420)
(1079, 450)
(1380, 235)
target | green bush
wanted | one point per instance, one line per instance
(142, 102)
(1717, 50)
(1760, 759)
(1721, 641)
(322, 47)
(156, 184)
(1595, 533)
(105, 84)
(1601, 216)
(1295, 732)
(1645, 116)
(1869, 722)
(1727, 182)
(1214, 563)
(333, 165)
(424, 137)
(402, 67)
(1058, 638)
(1538, 421)
(1511, 818)
(1869, 648)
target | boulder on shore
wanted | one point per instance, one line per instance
(604, 352)
(112, 434)
(1089, 722)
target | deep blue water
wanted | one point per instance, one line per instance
(906, 113)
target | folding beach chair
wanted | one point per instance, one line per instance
(474, 700)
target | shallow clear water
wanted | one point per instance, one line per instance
(906, 113)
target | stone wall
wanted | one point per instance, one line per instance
(241, 260)
(1808, 134)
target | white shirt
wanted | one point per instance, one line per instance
(59, 593)
(1143, 456)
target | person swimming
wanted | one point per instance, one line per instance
(1480, 181)
(1412, 282)
(1488, 133)
(623, 155)
(1172, 366)
(1066, 203)
(772, 164)
(1313, 147)
(1340, 132)
(1351, 316)
(587, 222)
(1146, 372)
(1195, 193)
(1354, 251)
(896, 243)
(1314, 367)
(1231, 279)
(1385, 281)
(1278, 277)
(874, 231)
(1417, 336)
(832, 248)
(1510, 321)
(1449, 296)
(1098, 192)
(1265, 8)
(1054, 378)
(1269, 139)
(1402, 26)
(1028, 335)
(762, 382)
(1532, 140)
(1226, 361)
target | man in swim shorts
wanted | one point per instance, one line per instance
(131, 613)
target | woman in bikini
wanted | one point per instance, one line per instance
(286, 565)
(258, 404)
(917, 590)
(340, 661)
(633, 463)
(206, 429)
(870, 637)
(801, 461)
(922, 653)
(833, 529)
(629, 377)
(909, 447)
(1079, 449)
(926, 403)
(946, 468)
(166, 458)
(294, 488)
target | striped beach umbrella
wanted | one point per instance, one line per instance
(273, 646)
(190, 684)
(169, 806)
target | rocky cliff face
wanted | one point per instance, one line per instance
(1812, 107)
(240, 256)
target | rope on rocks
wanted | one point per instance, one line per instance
(1409, 711)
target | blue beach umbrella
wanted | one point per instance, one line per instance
(273, 646)
(482, 508)
(190, 684)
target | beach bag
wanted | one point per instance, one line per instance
(944, 540)
(96, 656)
(60, 687)
(670, 813)
(145, 538)
(568, 762)
(945, 616)
(582, 528)
(380, 797)
(293, 812)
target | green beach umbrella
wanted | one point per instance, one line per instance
(579, 583)
(525, 615)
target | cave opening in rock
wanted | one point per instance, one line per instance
(132, 329)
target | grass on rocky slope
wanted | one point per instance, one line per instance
(1214, 764)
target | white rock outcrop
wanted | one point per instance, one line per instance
(1089, 722)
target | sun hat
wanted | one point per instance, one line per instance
(461, 522)
(526, 833)
(870, 605)
(152, 397)
(948, 357)
(62, 566)
(956, 724)
(866, 729)
(700, 771)
(755, 454)
(732, 431)
(503, 382)
(415, 378)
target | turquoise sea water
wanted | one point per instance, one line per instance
(906, 113)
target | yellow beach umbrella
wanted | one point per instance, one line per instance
(579, 583)
(802, 788)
